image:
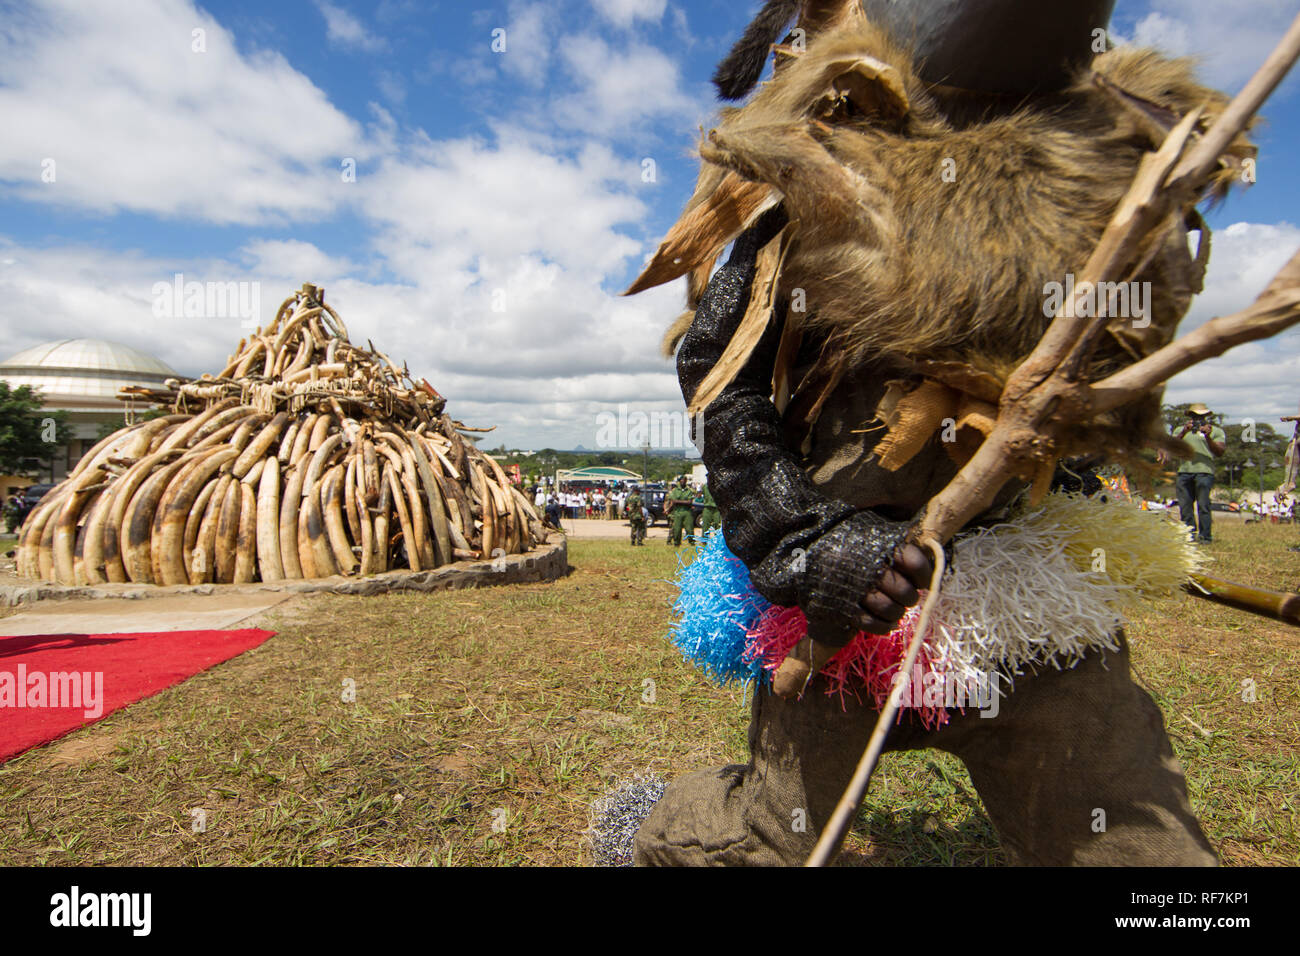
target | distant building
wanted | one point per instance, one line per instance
(82, 377)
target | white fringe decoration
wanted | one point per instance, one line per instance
(1025, 593)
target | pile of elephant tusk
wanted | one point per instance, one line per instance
(306, 457)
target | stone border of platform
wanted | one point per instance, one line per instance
(546, 562)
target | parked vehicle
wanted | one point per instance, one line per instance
(654, 502)
(32, 496)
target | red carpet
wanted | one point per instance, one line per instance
(51, 684)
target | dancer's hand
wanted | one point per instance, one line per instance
(896, 590)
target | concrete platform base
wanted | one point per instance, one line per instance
(546, 562)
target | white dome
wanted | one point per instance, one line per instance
(83, 371)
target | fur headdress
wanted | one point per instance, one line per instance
(930, 228)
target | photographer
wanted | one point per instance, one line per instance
(1196, 475)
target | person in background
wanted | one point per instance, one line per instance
(710, 517)
(680, 515)
(1196, 475)
(23, 506)
(12, 507)
(636, 516)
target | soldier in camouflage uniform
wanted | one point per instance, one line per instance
(710, 517)
(680, 515)
(635, 511)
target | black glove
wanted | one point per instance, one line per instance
(800, 546)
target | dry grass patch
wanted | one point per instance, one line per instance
(516, 706)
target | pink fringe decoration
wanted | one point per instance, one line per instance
(868, 662)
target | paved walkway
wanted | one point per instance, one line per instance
(600, 528)
(180, 612)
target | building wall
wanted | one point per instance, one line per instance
(10, 484)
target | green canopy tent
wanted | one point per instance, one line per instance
(604, 474)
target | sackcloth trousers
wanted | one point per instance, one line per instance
(1064, 745)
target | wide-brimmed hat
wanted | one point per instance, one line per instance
(986, 46)
(1198, 409)
(997, 46)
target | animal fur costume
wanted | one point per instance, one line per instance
(821, 428)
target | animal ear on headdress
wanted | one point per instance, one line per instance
(862, 88)
(1158, 92)
(848, 88)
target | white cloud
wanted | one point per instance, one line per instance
(619, 89)
(1164, 33)
(293, 259)
(345, 30)
(444, 225)
(467, 205)
(577, 80)
(80, 292)
(681, 28)
(528, 42)
(133, 118)
(623, 13)
(1231, 42)
(1259, 379)
(562, 352)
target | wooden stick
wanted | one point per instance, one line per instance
(847, 808)
(1275, 604)
(1202, 160)
(1045, 393)
(1276, 309)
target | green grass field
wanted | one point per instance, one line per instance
(486, 721)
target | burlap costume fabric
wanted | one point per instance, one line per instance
(1064, 745)
(1076, 768)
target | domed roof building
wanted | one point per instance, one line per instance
(82, 377)
(84, 372)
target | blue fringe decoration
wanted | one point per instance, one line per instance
(715, 607)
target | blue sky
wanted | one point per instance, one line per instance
(483, 178)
